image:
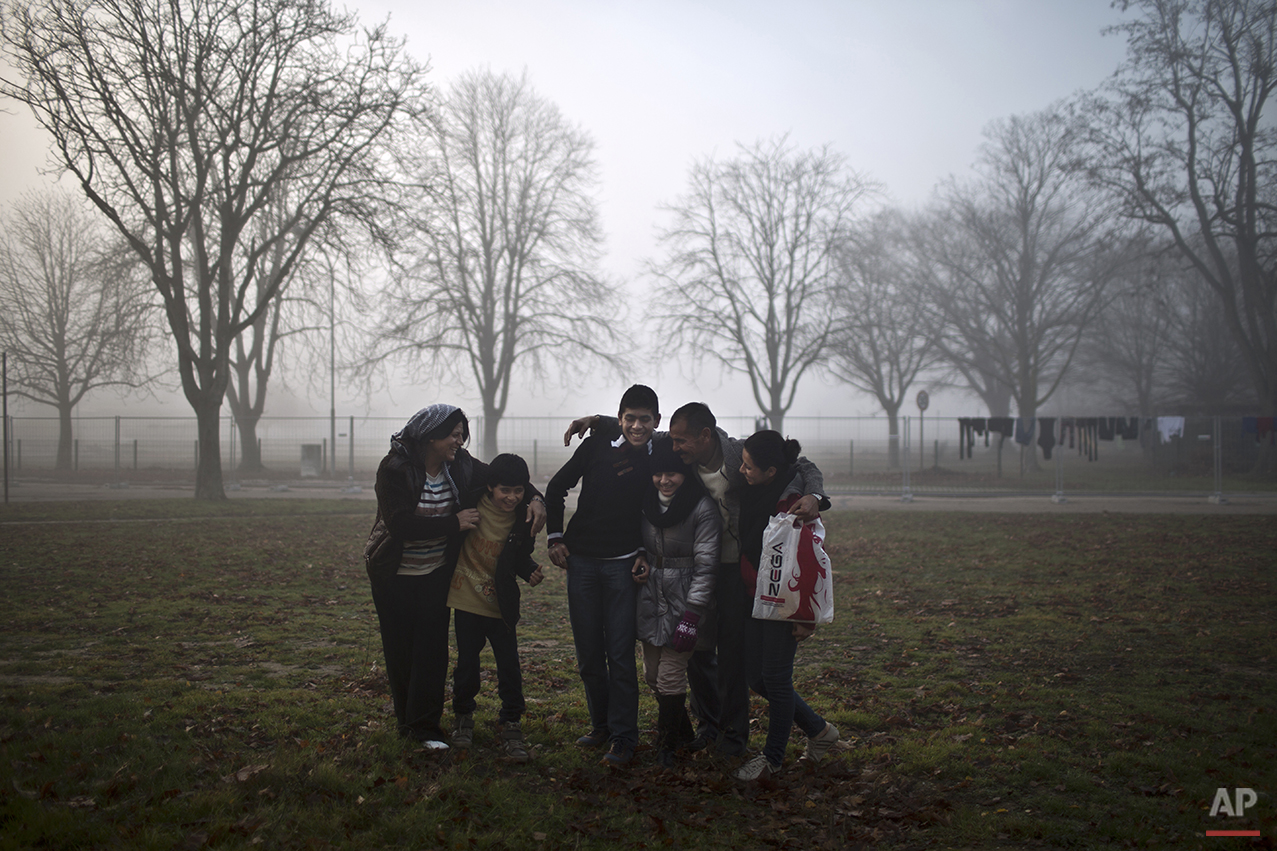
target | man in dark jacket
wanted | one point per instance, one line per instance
(599, 550)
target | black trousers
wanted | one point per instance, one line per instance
(720, 692)
(472, 632)
(413, 614)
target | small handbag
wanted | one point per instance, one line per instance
(382, 552)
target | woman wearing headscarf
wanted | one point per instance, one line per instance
(411, 554)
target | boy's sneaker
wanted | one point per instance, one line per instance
(516, 749)
(820, 745)
(596, 738)
(430, 745)
(757, 768)
(463, 733)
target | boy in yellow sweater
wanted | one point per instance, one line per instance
(485, 597)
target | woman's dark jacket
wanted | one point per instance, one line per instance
(400, 478)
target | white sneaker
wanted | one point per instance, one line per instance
(820, 745)
(434, 745)
(757, 768)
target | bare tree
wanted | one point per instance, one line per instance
(881, 342)
(74, 315)
(1128, 344)
(1203, 370)
(1017, 260)
(1182, 139)
(751, 264)
(181, 120)
(504, 245)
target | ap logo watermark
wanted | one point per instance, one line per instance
(1236, 806)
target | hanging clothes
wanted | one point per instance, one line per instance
(1265, 427)
(1168, 427)
(1004, 426)
(1088, 437)
(1067, 425)
(1046, 435)
(1024, 430)
(1128, 428)
(980, 426)
(1106, 427)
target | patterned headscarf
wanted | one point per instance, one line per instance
(423, 422)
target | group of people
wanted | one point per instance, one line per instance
(662, 549)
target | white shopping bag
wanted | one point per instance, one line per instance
(795, 577)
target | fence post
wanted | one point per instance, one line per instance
(905, 494)
(135, 453)
(1058, 497)
(1217, 498)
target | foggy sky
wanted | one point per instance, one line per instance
(901, 89)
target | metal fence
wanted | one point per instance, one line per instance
(857, 454)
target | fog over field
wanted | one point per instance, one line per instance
(901, 90)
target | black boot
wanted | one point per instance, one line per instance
(667, 731)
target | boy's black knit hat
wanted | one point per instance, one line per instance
(509, 470)
(665, 460)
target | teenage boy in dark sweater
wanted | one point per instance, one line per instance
(599, 550)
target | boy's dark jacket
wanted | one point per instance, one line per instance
(516, 555)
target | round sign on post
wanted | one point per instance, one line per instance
(923, 400)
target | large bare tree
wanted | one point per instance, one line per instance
(1017, 260)
(881, 343)
(751, 264)
(74, 314)
(1184, 137)
(501, 278)
(181, 120)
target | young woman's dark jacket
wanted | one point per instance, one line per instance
(400, 478)
(516, 556)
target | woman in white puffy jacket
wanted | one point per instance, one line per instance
(681, 531)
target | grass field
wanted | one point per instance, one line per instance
(184, 675)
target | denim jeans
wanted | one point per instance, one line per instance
(770, 648)
(473, 631)
(601, 605)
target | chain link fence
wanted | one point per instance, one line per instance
(1205, 455)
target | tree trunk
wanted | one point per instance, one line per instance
(491, 422)
(208, 472)
(250, 451)
(893, 439)
(64, 438)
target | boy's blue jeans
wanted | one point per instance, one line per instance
(601, 605)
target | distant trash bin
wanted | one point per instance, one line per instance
(312, 459)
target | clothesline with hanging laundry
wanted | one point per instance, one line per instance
(1082, 433)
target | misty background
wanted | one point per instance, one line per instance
(816, 213)
(902, 91)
